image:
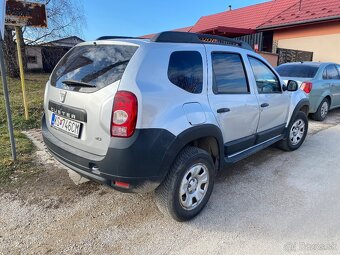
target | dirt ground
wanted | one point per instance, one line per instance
(270, 203)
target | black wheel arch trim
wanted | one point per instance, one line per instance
(302, 103)
(298, 107)
(190, 135)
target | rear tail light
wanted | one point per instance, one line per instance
(307, 87)
(124, 114)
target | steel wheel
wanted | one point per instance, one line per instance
(194, 186)
(297, 132)
(188, 185)
(324, 109)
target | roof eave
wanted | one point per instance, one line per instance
(304, 22)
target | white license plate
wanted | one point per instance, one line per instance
(68, 126)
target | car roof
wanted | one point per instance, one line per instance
(316, 64)
(177, 37)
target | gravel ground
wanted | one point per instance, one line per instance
(270, 203)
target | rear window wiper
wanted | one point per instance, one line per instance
(78, 83)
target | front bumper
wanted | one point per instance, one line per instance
(140, 161)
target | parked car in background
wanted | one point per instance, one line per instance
(320, 81)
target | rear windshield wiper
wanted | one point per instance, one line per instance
(78, 83)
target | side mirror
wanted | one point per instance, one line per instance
(292, 86)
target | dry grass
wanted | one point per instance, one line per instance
(15, 171)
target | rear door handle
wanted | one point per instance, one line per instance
(264, 105)
(223, 110)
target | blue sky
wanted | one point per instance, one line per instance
(139, 17)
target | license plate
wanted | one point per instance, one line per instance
(68, 126)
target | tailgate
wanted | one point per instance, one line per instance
(79, 96)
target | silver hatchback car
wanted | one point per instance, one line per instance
(320, 81)
(167, 114)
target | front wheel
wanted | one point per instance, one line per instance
(188, 186)
(297, 132)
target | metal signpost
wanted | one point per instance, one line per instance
(4, 80)
(18, 14)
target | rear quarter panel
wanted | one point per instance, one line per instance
(160, 103)
(321, 89)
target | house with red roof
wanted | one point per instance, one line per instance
(297, 30)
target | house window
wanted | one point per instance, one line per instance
(32, 60)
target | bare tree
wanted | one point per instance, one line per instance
(64, 18)
(11, 52)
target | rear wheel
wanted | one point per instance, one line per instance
(188, 186)
(297, 132)
(321, 113)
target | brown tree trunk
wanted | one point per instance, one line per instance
(10, 53)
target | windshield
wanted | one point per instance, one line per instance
(298, 70)
(94, 65)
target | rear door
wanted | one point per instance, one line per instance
(79, 95)
(337, 85)
(332, 78)
(232, 99)
(274, 103)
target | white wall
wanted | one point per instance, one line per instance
(326, 48)
(34, 51)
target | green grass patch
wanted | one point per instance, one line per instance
(15, 171)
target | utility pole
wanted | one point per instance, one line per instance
(21, 68)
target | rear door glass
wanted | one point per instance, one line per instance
(93, 66)
(229, 74)
(331, 73)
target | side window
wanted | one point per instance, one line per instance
(324, 75)
(229, 74)
(266, 80)
(338, 67)
(331, 73)
(186, 70)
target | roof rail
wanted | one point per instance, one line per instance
(187, 37)
(115, 37)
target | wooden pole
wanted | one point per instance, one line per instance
(21, 68)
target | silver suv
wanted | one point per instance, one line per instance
(167, 114)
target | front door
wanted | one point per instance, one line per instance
(274, 103)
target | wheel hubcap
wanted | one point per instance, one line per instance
(324, 109)
(297, 132)
(194, 186)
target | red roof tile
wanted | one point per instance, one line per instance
(248, 17)
(275, 13)
(308, 11)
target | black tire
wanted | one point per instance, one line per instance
(167, 195)
(288, 144)
(319, 115)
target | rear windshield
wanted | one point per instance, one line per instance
(92, 66)
(299, 70)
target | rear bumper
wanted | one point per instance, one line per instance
(141, 161)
